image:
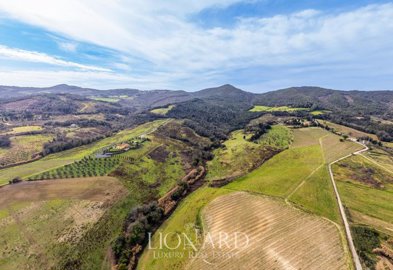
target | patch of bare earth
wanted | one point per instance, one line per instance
(82, 215)
(279, 237)
(102, 189)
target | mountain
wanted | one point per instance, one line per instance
(364, 102)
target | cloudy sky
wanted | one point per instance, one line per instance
(257, 45)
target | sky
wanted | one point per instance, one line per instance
(256, 45)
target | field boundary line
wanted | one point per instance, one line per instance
(302, 183)
(376, 163)
(355, 257)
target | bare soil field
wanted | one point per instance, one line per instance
(41, 221)
(94, 189)
(280, 237)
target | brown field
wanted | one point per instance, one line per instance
(43, 220)
(94, 189)
(280, 237)
(334, 149)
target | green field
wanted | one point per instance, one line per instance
(320, 112)
(259, 108)
(69, 156)
(108, 99)
(86, 167)
(23, 129)
(365, 187)
(297, 175)
(23, 148)
(162, 111)
(185, 220)
(239, 155)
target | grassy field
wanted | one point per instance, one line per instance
(347, 130)
(69, 156)
(367, 191)
(365, 187)
(299, 174)
(259, 108)
(39, 221)
(320, 112)
(23, 129)
(110, 100)
(240, 155)
(185, 220)
(383, 158)
(23, 148)
(162, 111)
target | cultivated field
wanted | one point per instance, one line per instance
(186, 219)
(299, 174)
(69, 156)
(41, 221)
(280, 237)
(296, 177)
(347, 130)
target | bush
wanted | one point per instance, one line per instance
(5, 141)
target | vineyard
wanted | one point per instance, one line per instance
(279, 236)
(87, 167)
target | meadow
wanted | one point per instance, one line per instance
(239, 155)
(23, 129)
(259, 108)
(162, 111)
(365, 187)
(23, 148)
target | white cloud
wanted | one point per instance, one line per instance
(159, 32)
(68, 46)
(31, 56)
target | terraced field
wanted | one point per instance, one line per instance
(279, 237)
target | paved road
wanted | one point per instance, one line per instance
(356, 260)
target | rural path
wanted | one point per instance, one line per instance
(356, 260)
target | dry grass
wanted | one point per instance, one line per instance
(40, 221)
(94, 189)
(348, 131)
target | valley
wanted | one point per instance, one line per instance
(92, 179)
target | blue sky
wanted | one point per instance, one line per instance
(257, 45)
